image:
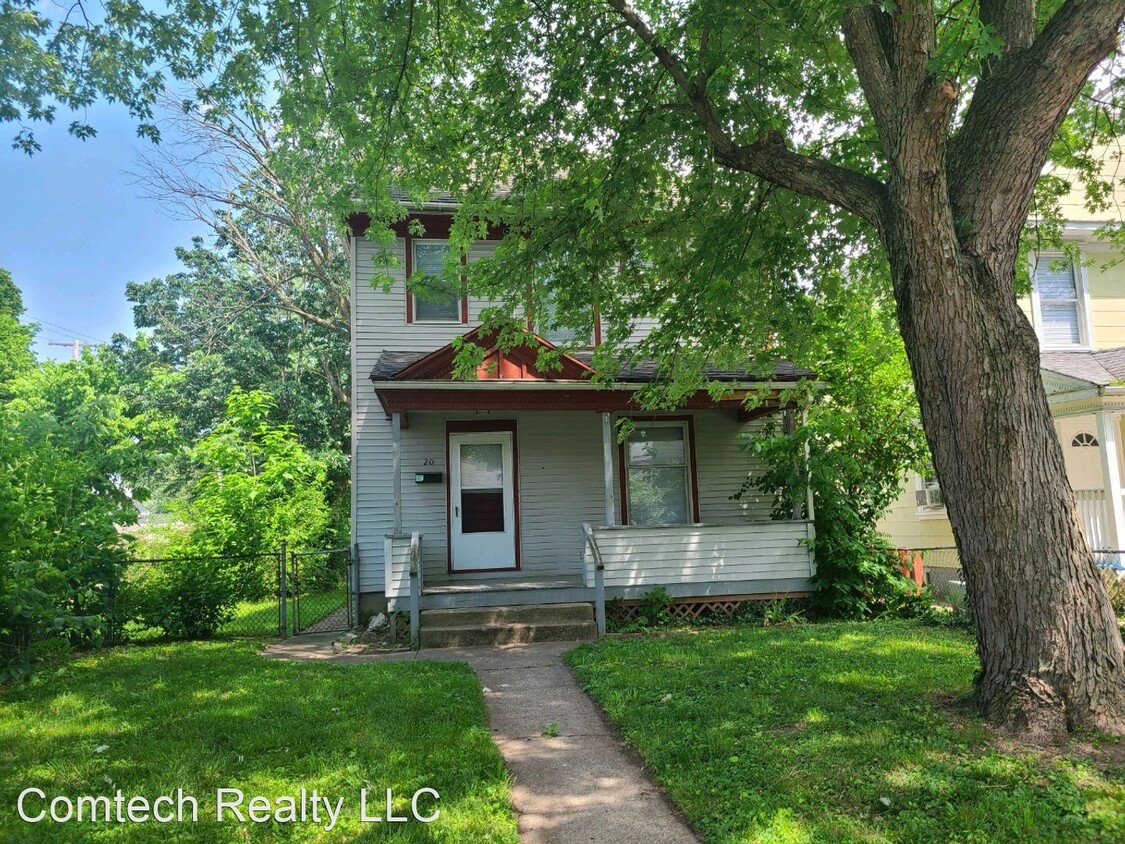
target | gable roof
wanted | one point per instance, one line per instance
(521, 364)
(517, 364)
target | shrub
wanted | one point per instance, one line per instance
(184, 597)
(254, 487)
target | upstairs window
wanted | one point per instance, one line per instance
(1059, 302)
(928, 493)
(561, 335)
(433, 298)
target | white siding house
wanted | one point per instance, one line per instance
(487, 485)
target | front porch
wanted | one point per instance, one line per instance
(1087, 400)
(524, 489)
(711, 564)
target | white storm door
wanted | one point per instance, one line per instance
(482, 501)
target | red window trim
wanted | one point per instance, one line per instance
(409, 240)
(693, 470)
(471, 427)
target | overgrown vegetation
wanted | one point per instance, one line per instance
(842, 732)
(79, 443)
(148, 720)
(68, 452)
(861, 435)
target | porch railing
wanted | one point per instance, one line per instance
(1094, 512)
(647, 557)
(591, 549)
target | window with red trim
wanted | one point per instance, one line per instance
(434, 298)
(658, 474)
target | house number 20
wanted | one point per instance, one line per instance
(429, 461)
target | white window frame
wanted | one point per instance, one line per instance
(429, 241)
(1082, 292)
(689, 500)
(929, 486)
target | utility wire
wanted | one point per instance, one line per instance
(72, 332)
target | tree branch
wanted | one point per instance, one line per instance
(1014, 21)
(1016, 111)
(864, 36)
(767, 157)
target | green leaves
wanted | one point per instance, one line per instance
(253, 486)
(69, 453)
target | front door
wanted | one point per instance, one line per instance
(482, 501)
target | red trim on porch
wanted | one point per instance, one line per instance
(438, 364)
(599, 401)
(693, 469)
(471, 427)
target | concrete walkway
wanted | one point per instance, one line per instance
(580, 785)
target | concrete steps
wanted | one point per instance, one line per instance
(510, 625)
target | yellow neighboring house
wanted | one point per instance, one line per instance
(1078, 311)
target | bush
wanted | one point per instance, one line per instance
(255, 486)
(184, 597)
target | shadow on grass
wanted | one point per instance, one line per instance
(830, 733)
(202, 716)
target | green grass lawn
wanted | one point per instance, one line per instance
(202, 716)
(839, 733)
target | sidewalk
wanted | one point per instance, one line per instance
(576, 784)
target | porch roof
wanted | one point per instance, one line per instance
(576, 366)
(512, 380)
(1080, 381)
(1100, 367)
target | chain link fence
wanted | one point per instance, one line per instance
(265, 594)
(317, 584)
(942, 568)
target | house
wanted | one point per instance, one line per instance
(512, 491)
(1077, 307)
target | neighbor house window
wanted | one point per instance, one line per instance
(928, 494)
(657, 474)
(1084, 439)
(434, 299)
(1059, 302)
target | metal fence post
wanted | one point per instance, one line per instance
(353, 598)
(283, 621)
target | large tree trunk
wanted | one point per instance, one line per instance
(1050, 649)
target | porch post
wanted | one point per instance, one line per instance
(396, 469)
(810, 512)
(607, 457)
(1111, 473)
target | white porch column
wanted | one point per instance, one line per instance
(1111, 473)
(607, 457)
(396, 468)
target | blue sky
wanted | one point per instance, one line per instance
(74, 230)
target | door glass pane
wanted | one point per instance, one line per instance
(663, 446)
(658, 496)
(482, 488)
(482, 466)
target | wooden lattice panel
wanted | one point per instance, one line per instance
(685, 610)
